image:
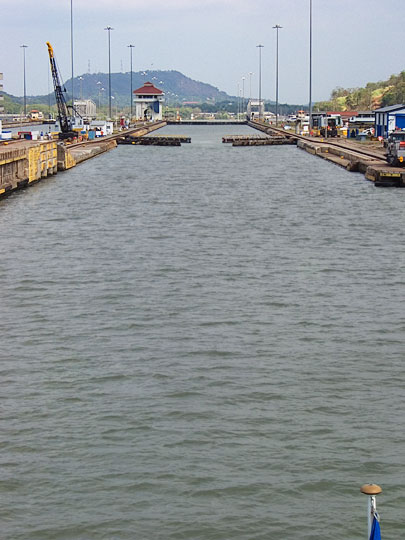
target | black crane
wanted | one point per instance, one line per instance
(64, 118)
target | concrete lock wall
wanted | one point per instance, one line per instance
(26, 164)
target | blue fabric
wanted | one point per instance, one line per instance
(156, 106)
(375, 530)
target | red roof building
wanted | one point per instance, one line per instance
(148, 89)
(148, 102)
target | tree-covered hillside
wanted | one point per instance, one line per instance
(176, 86)
(373, 96)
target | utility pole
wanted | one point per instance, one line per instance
(310, 66)
(277, 27)
(109, 28)
(238, 102)
(260, 47)
(243, 96)
(132, 97)
(25, 88)
(81, 87)
(71, 48)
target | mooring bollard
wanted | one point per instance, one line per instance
(371, 490)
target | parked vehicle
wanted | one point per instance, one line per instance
(396, 148)
(326, 124)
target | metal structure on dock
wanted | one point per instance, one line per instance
(65, 120)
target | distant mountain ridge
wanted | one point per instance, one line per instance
(176, 86)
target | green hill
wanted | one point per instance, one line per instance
(372, 96)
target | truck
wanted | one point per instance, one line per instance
(396, 148)
(325, 124)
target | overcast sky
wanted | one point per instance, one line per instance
(214, 41)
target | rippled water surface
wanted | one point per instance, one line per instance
(202, 342)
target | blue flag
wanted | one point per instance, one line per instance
(375, 530)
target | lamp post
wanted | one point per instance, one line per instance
(277, 28)
(116, 111)
(130, 55)
(260, 47)
(25, 88)
(238, 102)
(243, 96)
(71, 47)
(99, 90)
(109, 28)
(310, 66)
(81, 87)
(250, 85)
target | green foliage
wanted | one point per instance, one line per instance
(10, 106)
(372, 96)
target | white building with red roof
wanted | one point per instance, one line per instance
(148, 102)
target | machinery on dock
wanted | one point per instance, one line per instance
(325, 124)
(396, 148)
(65, 119)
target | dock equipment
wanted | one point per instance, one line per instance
(64, 118)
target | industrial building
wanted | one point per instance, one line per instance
(86, 108)
(389, 119)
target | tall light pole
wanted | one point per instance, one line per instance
(109, 28)
(25, 88)
(238, 101)
(130, 55)
(99, 92)
(116, 107)
(81, 87)
(277, 27)
(71, 47)
(250, 85)
(310, 66)
(243, 96)
(260, 47)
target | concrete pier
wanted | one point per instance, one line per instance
(24, 163)
(366, 158)
(372, 164)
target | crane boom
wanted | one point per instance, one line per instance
(63, 114)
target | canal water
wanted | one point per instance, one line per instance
(202, 342)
